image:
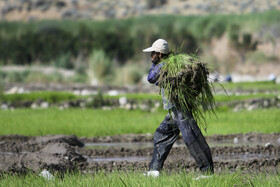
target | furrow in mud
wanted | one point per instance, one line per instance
(20, 154)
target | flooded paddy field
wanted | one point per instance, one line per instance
(252, 152)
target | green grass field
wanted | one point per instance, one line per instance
(137, 179)
(256, 86)
(97, 122)
(57, 97)
(88, 122)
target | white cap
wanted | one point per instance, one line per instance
(160, 46)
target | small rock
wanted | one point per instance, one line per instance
(31, 18)
(76, 92)
(46, 174)
(60, 4)
(85, 15)
(134, 106)
(144, 107)
(235, 140)
(187, 6)
(113, 92)
(82, 104)
(85, 92)
(268, 144)
(66, 105)
(45, 7)
(253, 107)
(34, 106)
(106, 108)
(176, 10)
(4, 107)
(44, 105)
(110, 13)
(74, 2)
(39, 3)
(8, 8)
(266, 104)
(278, 140)
(128, 106)
(272, 77)
(70, 13)
(13, 90)
(238, 107)
(157, 104)
(122, 101)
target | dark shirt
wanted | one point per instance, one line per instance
(154, 73)
(153, 76)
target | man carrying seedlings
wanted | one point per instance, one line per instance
(179, 119)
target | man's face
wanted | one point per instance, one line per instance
(155, 57)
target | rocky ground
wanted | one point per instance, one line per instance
(28, 10)
(251, 152)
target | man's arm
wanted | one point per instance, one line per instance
(154, 73)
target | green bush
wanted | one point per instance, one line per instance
(257, 57)
(100, 66)
(8, 77)
(78, 78)
(28, 76)
(51, 97)
(64, 61)
(45, 41)
(129, 74)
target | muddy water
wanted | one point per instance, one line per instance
(237, 151)
(129, 145)
(243, 156)
(20, 154)
(132, 146)
(142, 145)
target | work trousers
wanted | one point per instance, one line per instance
(167, 133)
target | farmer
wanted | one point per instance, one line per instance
(168, 131)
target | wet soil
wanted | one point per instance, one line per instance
(251, 152)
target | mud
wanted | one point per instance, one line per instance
(251, 152)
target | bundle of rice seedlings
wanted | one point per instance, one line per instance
(184, 80)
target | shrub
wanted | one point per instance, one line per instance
(51, 97)
(100, 66)
(257, 57)
(44, 41)
(129, 74)
(35, 76)
(78, 78)
(64, 61)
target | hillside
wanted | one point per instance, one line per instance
(233, 36)
(29, 10)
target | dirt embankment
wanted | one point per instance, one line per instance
(20, 154)
(58, 153)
